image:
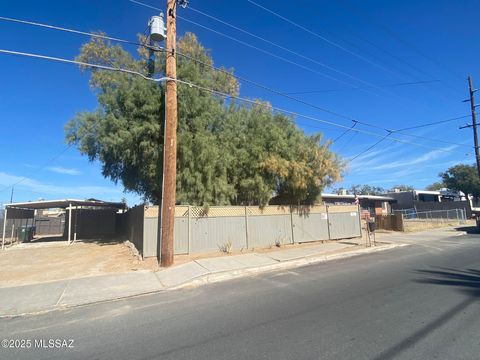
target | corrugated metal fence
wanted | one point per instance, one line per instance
(200, 230)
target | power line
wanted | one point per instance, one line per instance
(100, 36)
(265, 51)
(434, 123)
(319, 36)
(159, 49)
(146, 5)
(291, 113)
(371, 86)
(156, 48)
(260, 49)
(286, 95)
(38, 169)
(344, 133)
(370, 147)
(81, 63)
(282, 47)
(218, 93)
(395, 36)
(359, 88)
(347, 141)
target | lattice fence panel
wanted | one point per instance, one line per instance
(342, 208)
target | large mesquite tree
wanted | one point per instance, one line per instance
(227, 154)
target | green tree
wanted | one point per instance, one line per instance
(403, 187)
(366, 190)
(435, 186)
(227, 154)
(462, 177)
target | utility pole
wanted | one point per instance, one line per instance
(473, 125)
(11, 195)
(170, 141)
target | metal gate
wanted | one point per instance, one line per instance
(310, 224)
(344, 222)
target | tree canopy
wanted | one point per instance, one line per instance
(226, 153)
(435, 186)
(366, 190)
(403, 187)
(462, 177)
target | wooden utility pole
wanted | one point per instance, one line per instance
(474, 122)
(473, 125)
(170, 141)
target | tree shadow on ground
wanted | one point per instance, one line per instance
(469, 229)
(468, 282)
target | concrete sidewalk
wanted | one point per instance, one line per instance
(47, 296)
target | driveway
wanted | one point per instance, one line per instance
(55, 260)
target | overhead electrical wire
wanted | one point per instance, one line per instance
(397, 37)
(344, 133)
(190, 84)
(316, 34)
(359, 88)
(37, 169)
(323, 38)
(100, 36)
(269, 53)
(81, 63)
(347, 141)
(286, 95)
(435, 123)
(291, 113)
(283, 47)
(157, 48)
(218, 93)
(370, 147)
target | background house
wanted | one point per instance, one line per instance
(415, 201)
(374, 204)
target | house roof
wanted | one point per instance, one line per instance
(367, 197)
(426, 192)
(65, 203)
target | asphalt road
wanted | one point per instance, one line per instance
(415, 302)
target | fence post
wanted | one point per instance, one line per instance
(189, 228)
(328, 223)
(246, 226)
(4, 227)
(360, 219)
(291, 224)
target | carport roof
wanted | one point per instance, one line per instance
(50, 204)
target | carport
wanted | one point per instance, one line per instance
(68, 204)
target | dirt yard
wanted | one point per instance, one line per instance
(48, 261)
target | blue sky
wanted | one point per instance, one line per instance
(368, 44)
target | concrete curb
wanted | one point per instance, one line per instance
(223, 276)
(229, 275)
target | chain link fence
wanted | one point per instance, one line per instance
(434, 215)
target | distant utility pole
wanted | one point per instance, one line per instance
(473, 125)
(170, 141)
(11, 195)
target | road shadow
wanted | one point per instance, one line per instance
(467, 281)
